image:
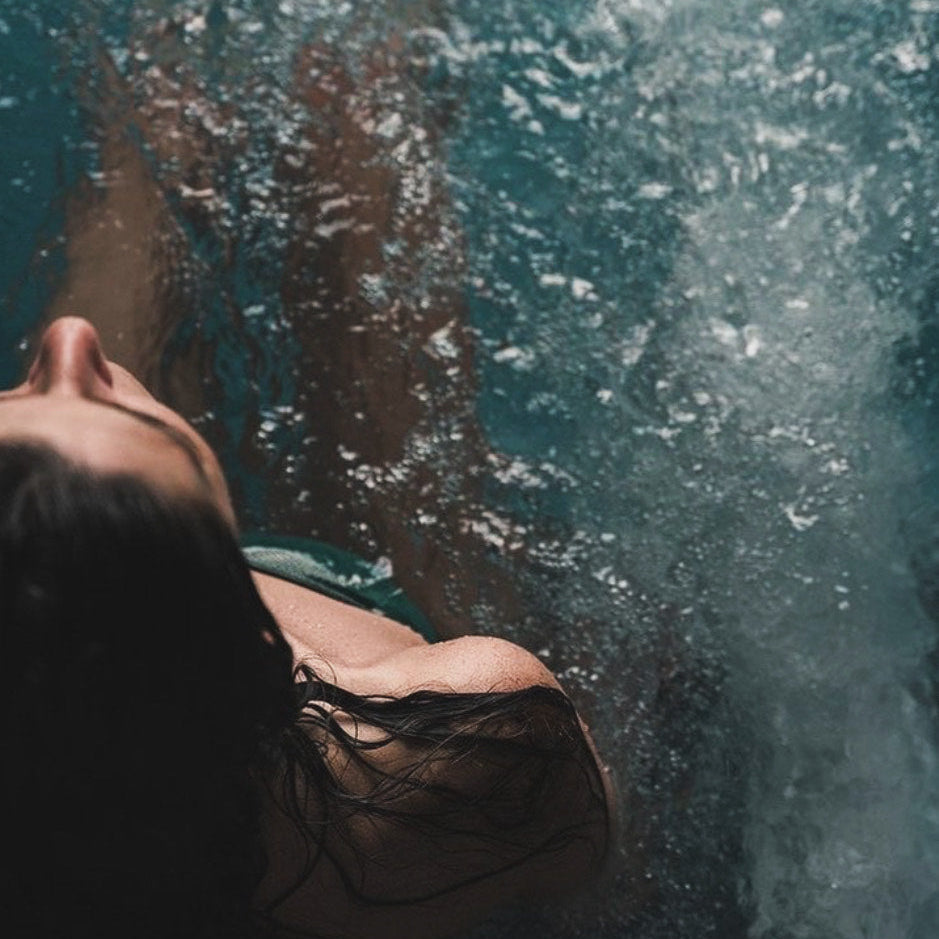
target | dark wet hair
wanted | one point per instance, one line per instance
(138, 693)
(147, 694)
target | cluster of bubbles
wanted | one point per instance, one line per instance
(702, 281)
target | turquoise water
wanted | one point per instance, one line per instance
(695, 247)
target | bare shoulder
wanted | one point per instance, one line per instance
(480, 807)
(487, 665)
(577, 793)
(468, 665)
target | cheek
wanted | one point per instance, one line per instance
(127, 383)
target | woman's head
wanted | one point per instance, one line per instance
(97, 414)
(143, 684)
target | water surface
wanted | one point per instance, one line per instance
(615, 332)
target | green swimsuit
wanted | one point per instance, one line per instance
(336, 573)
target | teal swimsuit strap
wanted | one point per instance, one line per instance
(338, 574)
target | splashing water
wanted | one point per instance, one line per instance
(700, 244)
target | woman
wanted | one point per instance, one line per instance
(196, 749)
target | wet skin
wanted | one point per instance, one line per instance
(98, 414)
